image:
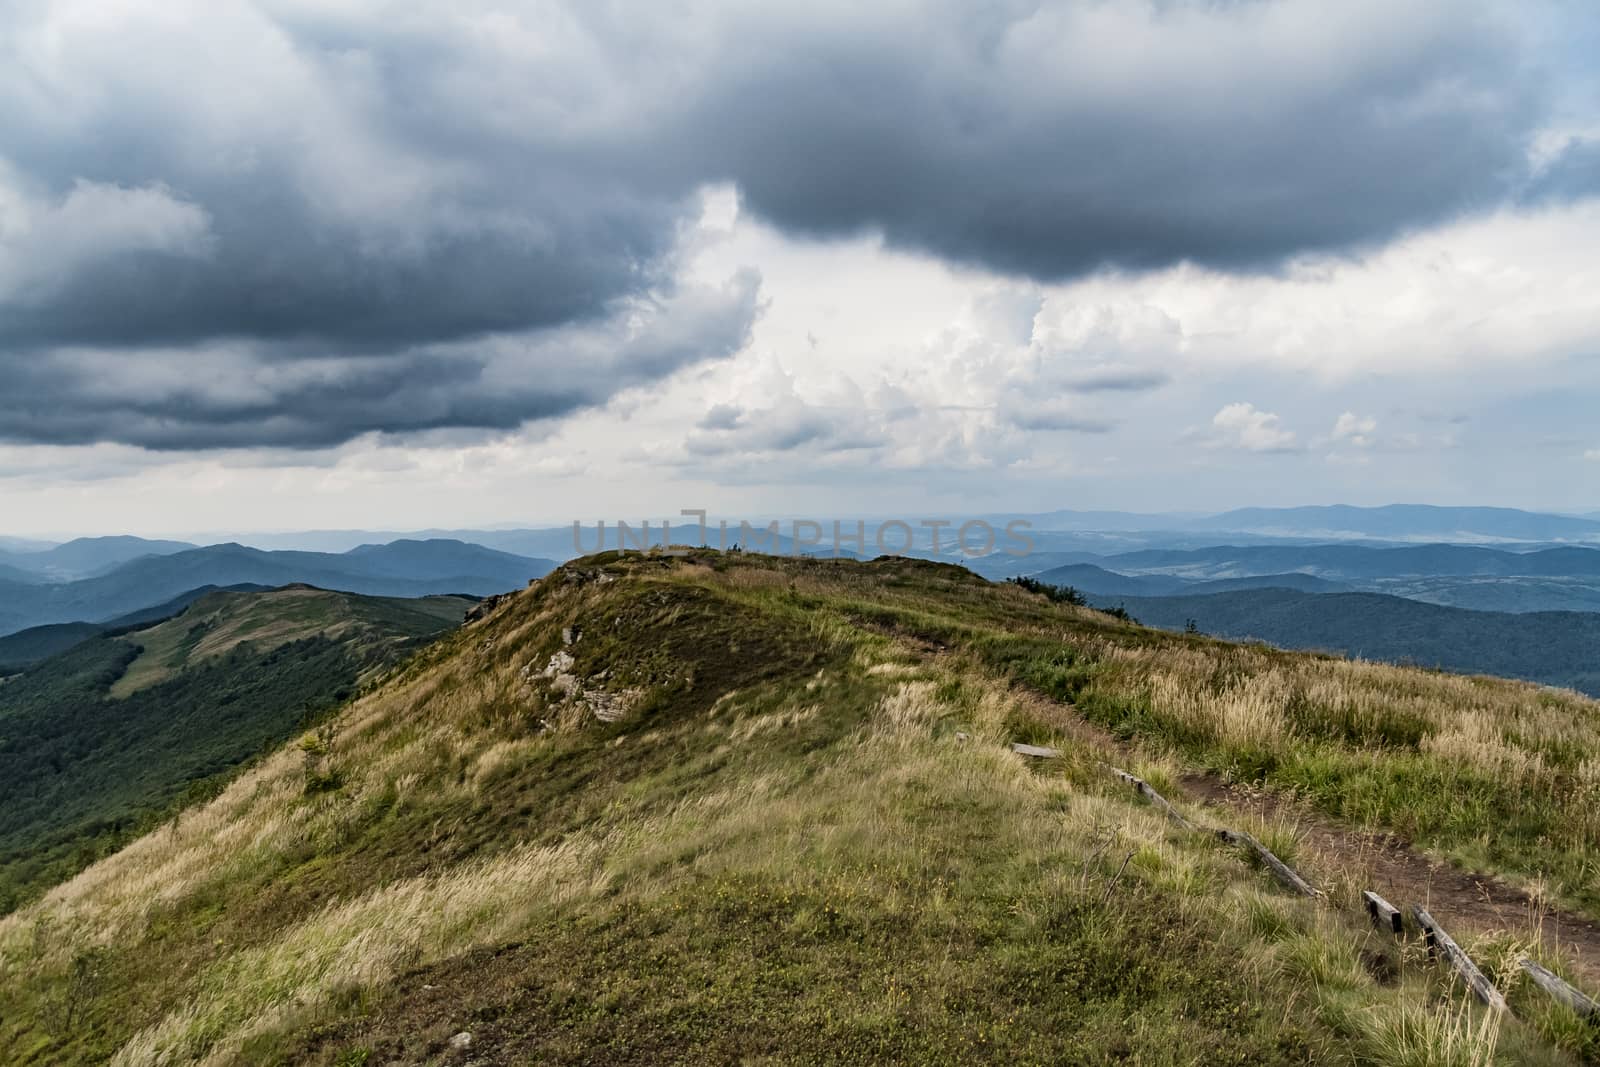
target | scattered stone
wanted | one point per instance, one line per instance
(570, 635)
(604, 704)
(961, 736)
(560, 663)
(1035, 751)
(581, 576)
(611, 707)
(485, 607)
(461, 1042)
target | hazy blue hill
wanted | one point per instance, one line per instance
(1558, 648)
(17, 575)
(88, 556)
(998, 566)
(1304, 583)
(435, 557)
(1519, 594)
(1406, 522)
(28, 647)
(1569, 561)
(1087, 578)
(434, 567)
(1361, 562)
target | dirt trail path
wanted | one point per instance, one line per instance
(1405, 876)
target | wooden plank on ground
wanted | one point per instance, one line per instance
(1035, 751)
(1144, 789)
(1560, 990)
(1442, 943)
(1281, 870)
(1384, 914)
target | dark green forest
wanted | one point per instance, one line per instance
(81, 774)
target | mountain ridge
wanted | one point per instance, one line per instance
(742, 809)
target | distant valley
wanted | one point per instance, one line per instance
(1556, 648)
(1467, 608)
(1480, 578)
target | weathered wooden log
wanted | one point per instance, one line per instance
(1560, 991)
(1144, 789)
(1441, 943)
(1281, 870)
(1035, 751)
(1384, 914)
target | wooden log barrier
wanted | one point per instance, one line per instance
(1144, 789)
(1560, 991)
(1441, 943)
(1385, 915)
(1281, 870)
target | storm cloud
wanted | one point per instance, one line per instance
(231, 223)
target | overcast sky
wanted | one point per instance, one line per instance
(338, 263)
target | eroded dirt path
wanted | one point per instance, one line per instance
(1395, 869)
(1405, 876)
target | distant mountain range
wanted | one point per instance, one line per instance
(1405, 522)
(1054, 531)
(1341, 522)
(1482, 558)
(1557, 648)
(86, 557)
(400, 569)
(1467, 576)
(1088, 578)
(1357, 561)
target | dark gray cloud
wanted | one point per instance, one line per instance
(1052, 140)
(722, 417)
(274, 223)
(248, 394)
(792, 426)
(1052, 419)
(1116, 379)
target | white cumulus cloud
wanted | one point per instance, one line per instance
(1241, 425)
(1353, 429)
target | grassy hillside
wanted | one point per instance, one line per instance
(1557, 648)
(25, 648)
(732, 809)
(219, 622)
(101, 741)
